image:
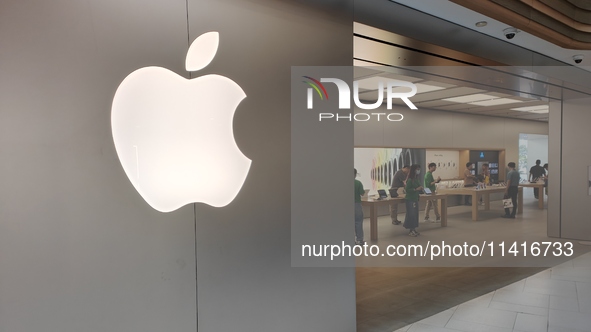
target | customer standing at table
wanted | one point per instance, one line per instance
(413, 189)
(359, 191)
(484, 177)
(398, 183)
(430, 183)
(485, 174)
(468, 181)
(512, 189)
(535, 173)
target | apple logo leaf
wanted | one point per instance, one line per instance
(202, 51)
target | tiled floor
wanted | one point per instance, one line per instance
(554, 300)
(391, 298)
(499, 298)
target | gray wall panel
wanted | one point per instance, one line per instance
(79, 248)
(576, 203)
(244, 274)
(554, 168)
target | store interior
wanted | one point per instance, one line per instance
(82, 250)
(466, 114)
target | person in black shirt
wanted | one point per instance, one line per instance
(535, 173)
(399, 182)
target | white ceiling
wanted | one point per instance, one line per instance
(452, 12)
(368, 77)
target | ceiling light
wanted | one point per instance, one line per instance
(540, 111)
(422, 88)
(481, 24)
(493, 102)
(372, 83)
(470, 98)
(532, 109)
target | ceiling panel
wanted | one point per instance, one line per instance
(435, 99)
(453, 84)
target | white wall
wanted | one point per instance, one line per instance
(448, 163)
(446, 130)
(537, 148)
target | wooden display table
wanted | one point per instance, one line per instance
(485, 193)
(374, 203)
(540, 187)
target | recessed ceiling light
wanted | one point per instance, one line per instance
(540, 111)
(532, 109)
(422, 88)
(481, 24)
(493, 102)
(470, 98)
(372, 83)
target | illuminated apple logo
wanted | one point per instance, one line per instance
(174, 136)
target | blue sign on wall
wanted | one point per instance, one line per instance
(481, 154)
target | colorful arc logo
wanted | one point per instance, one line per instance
(316, 85)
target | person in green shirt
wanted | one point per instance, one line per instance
(359, 191)
(413, 189)
(430, 183)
